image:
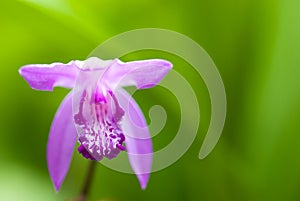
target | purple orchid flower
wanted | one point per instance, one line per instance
(98, 113)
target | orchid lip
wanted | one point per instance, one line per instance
(100, 134)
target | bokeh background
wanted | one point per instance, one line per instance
(254, 43)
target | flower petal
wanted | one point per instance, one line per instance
(61, 142)
(47, 76)
(137, 137)
(142, 74)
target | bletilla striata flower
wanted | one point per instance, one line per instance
(98, 113)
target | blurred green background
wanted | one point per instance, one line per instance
(255, 45)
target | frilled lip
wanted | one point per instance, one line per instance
(112, 75)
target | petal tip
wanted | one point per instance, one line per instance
(163, 63)
(167, 64)
(143, 179)
(21, 71)
(57, 187)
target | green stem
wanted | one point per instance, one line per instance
(88, 181)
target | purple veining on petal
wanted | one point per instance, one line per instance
(99, 135)
(82, 150)
(118, 111)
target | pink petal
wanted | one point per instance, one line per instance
(61, 142)
(47, 76)
(138, 140)
(142, 74)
